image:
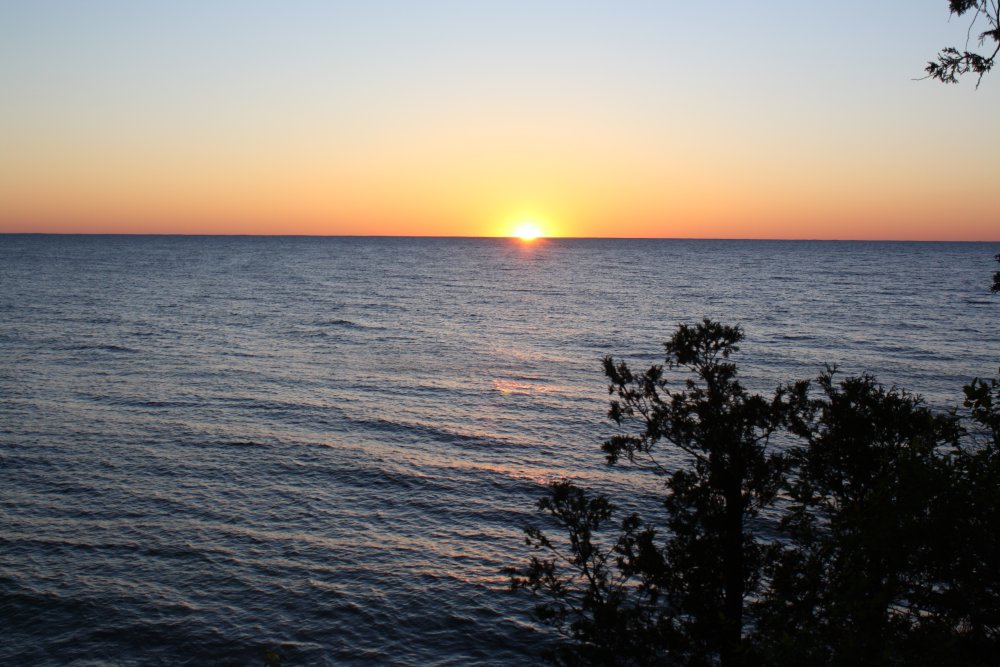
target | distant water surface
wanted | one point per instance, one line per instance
(209, 445)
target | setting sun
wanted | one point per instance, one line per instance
(527, 231)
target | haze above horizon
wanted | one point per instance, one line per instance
(605, 120)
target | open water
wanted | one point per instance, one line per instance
(329, 446)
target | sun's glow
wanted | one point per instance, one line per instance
(527, 231)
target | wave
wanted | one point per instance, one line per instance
(350, 324)
(101, 347)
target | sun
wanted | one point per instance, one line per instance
(527, 231)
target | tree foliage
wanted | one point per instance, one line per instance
(952, 62)
(851, 585)
(680, 594)
(868, 535)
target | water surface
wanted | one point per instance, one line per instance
(330, 445)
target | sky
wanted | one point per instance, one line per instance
(725, 119)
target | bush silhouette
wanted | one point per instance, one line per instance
(881, 545)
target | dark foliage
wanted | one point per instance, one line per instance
(680, 594)
(881, 546)
(952, 62)
(710, 564)
(852, 586)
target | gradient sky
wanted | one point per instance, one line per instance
(735, 119)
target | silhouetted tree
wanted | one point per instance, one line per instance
(682, 594)
(951, 62)
(971, 526)
(854, 586)
(711, 561)
(996, 279)
(881, 544)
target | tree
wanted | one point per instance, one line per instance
(951, 62)
(880, 544)
(857, 581)
(971, 528)
(647, 596)
(996, 279)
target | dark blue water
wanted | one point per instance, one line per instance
(329, 445)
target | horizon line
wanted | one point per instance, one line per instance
(513, 238)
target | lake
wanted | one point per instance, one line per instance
(329, 446)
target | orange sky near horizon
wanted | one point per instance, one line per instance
(433, 122)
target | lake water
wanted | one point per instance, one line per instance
(209, 445)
